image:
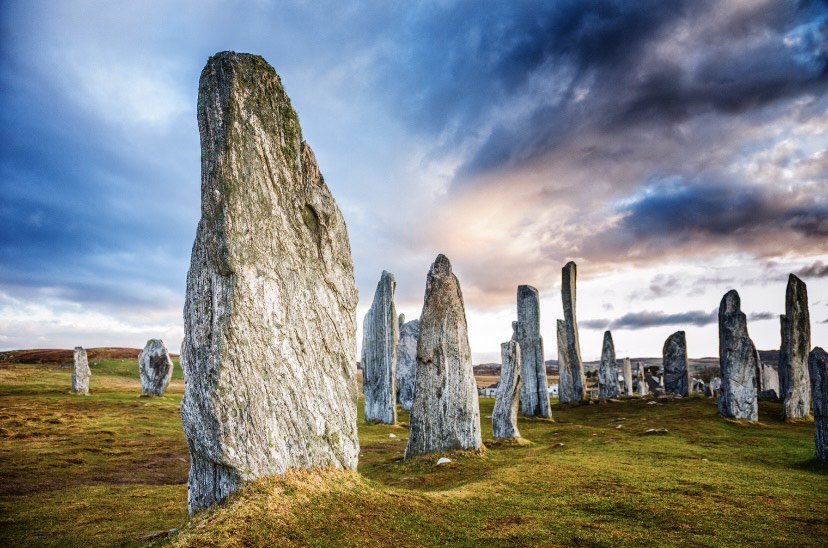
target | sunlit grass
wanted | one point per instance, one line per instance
(110, 469)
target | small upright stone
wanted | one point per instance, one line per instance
(768, 381)
(628, 379)
(534, 397)
(676, 378)
(642, 382)
(401, 321)
(504, 415)
(80, 372)
(155, 368)
(793, 355)
(445, 414)
(380, 335)
(738, 361)
(607, 371)
(572, 385)
(407, 363)
(818, 369)
(270, 309)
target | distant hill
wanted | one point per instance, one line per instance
(60, 355)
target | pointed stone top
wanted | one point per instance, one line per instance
(731, 303)
(607, 336)
(387, 276)
(570, 266)
(441, 265)
(793, 279)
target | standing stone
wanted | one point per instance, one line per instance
(155, 368)
(445, 414)
(738, 361)
(676, 379)
(768, 382)
(407, 363)
(514, 331)
(504, 415)
(818, 370)
(628, 380)
(793, 355)
(572, 380)
(782, 365)
(401, 321)
(380, 335)
(81, 372)
(642, 382)
(534, 397)
(270, 310)
(607, 371)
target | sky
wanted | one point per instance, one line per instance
(673, 150)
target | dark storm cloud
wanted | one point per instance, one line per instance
(815, 270)
(535, 58)
(647, 319)
(678, 212)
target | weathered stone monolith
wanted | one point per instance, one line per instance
(380, 335)
(270, 310)
(628, 379)
(155, 368)
(676, 378)
(642, 382)
(445, 414)
(572, 385)
(768, 381)
(607, 371)
(793, 355)
(738, 362)
(81, 372)
(504, 415)
(407, 363)
(534, 396)
(401, 321)
(818, 371)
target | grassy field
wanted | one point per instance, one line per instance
(111, 469)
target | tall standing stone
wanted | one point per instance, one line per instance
(534, 396)
(628, 379)
(445, 414)
(676, 377)
(380, 335)
(80, 372)
(818, 370)
(607, 371)
(407, 363)
(155, 368)
(270, 310)
(793, 355)
(504, 415)
(572, 385)
(738, 361)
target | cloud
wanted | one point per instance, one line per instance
(817, 269)
(647, 319)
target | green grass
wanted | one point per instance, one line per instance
(111, 468)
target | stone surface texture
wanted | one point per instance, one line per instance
(628, 378)
(445, 415)
(534, 396)
(270, 308)
(793, 354)
(155, 368)
(407, 363)
(572, 385)
(738, 362)
(676, 379)
(380, 336)
(507, 398)
(768, 381)
(80, 372)
(607, 370)
(818, 370)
